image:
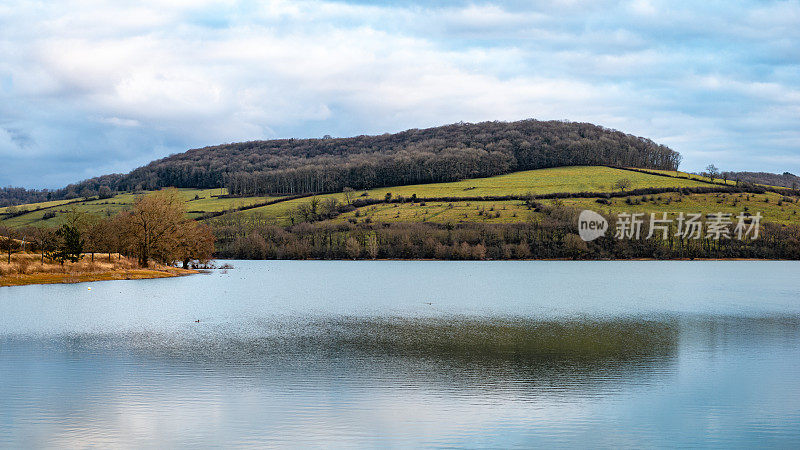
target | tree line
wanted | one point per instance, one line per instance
(98, 186)
(785, 179)
(552, 235)
(155, 229)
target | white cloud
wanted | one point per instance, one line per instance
(116, 121)
(79, 77)
(643, 7)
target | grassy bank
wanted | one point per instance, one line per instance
(28, 268)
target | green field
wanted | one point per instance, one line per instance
(776, 210)
(773, 207)
(537, 182)
(198, 202)
(692, 176)
(443, 212)
(32, 206)
(542, 181)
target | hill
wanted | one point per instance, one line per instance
(441, 154)
(771, 179)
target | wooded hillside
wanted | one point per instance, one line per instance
(447, 153)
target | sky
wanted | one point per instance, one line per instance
(93, 87)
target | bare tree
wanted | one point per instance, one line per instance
(348, 194)
(372, 245)
(712, 172)
(196, 242)
(352, 247)
(45, 240)
(622, 184)
(157, 227)
(9, 242)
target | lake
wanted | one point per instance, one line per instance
(401, 353)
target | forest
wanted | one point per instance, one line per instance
(446, 153)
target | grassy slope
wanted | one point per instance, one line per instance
(208, 202)
(32, 206)
(543, 181)
(443, 212)
(691, 176)
(773, 210)
(516, 211)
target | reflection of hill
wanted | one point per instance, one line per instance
(524, 355)
(468, 339)
(516, 359)
(476, 339)
(312, 382)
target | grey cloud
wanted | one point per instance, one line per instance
(87, 90)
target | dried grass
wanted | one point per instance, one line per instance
(27, 268)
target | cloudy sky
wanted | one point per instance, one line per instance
(92, 87)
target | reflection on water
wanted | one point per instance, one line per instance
(727, 377)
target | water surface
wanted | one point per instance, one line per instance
(614, 354)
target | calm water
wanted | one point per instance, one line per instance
(497, 354)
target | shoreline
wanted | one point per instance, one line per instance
(109, 275)
(41, 278)
(525, 259)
